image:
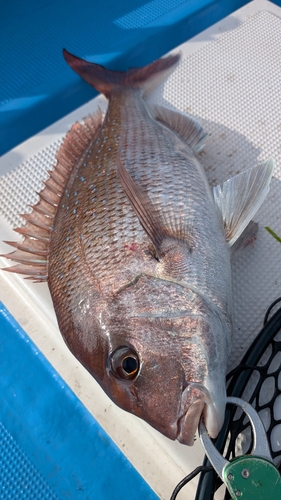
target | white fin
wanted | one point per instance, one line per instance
(189, 129)
(246, 238)
(240, 197)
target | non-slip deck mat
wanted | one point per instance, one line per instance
(36, 86)
(51, 448)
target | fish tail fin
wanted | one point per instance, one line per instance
(105, 80)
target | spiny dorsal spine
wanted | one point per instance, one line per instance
(32, 253)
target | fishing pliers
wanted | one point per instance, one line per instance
(247, 477)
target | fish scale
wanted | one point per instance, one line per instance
(109, 262)
(136, 250)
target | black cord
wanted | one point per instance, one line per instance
(269, 310)
(185, 480)
(240, 368)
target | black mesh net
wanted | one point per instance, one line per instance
(257, 380)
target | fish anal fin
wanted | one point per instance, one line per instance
(240, 197)
(32, 252)
(187, 127)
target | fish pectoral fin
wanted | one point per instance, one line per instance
(187, 127)
(240, 197)
(143, 207)
(165, 239)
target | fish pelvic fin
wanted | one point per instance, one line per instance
(240, 197)
(105, 80)
(246, 238)
(186, 127)
(32, 253)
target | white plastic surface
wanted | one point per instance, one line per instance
(229, 78)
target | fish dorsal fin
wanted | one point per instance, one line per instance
(32, 253)
(189, 129)
(240, 197)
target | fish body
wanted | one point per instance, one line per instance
(139, 255)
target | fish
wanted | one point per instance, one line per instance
(136, 249)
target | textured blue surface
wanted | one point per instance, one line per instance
(50, 445)
(36, 86)
(18, 478)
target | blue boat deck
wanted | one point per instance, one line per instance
(36, 86)
(51, 446)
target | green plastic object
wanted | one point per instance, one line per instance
(252, 478)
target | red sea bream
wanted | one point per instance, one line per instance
(136, 248)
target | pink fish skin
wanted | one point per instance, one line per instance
(135, 250)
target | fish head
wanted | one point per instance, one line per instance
(153, 387)
(155, 361)
(164, 388)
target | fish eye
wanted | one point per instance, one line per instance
(125, 363)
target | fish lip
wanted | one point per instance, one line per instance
(196, 403)
(181, 436)
(188, 423)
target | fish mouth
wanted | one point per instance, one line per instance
(196, 402)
